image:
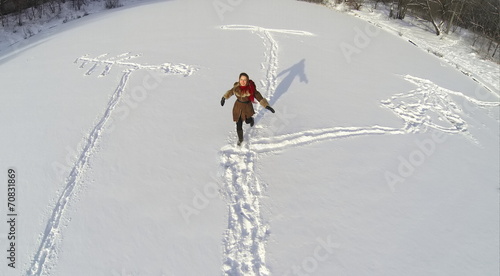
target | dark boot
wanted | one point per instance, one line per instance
(250, 121)
(240, 136)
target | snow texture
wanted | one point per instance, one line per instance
(381, 159)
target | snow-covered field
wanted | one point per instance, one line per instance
(381, 158)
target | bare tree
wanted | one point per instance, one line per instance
(111, 4)
(2, 12)
(77, 4)
(456, 13)
(432, 17)
(401, 8)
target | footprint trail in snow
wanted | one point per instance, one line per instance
(52, 232)
(246, 236)
(428, 106)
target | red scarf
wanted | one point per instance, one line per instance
(251, 89)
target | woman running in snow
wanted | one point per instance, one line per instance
(245, 93)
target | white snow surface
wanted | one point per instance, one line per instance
(381, 158)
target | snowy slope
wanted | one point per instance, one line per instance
(381, 159)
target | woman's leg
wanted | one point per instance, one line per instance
(250, 121)
(239, 130)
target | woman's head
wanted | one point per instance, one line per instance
(244, 79)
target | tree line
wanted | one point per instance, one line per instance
(28, 10)
(482, 17)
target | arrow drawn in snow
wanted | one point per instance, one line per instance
(247, 233)
(432, 106)
(52, 231)
(427, 106)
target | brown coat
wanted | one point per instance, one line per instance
(242, 106)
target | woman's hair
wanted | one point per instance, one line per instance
(244, 74)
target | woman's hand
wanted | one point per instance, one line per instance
(222, 101)
(270, 108)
